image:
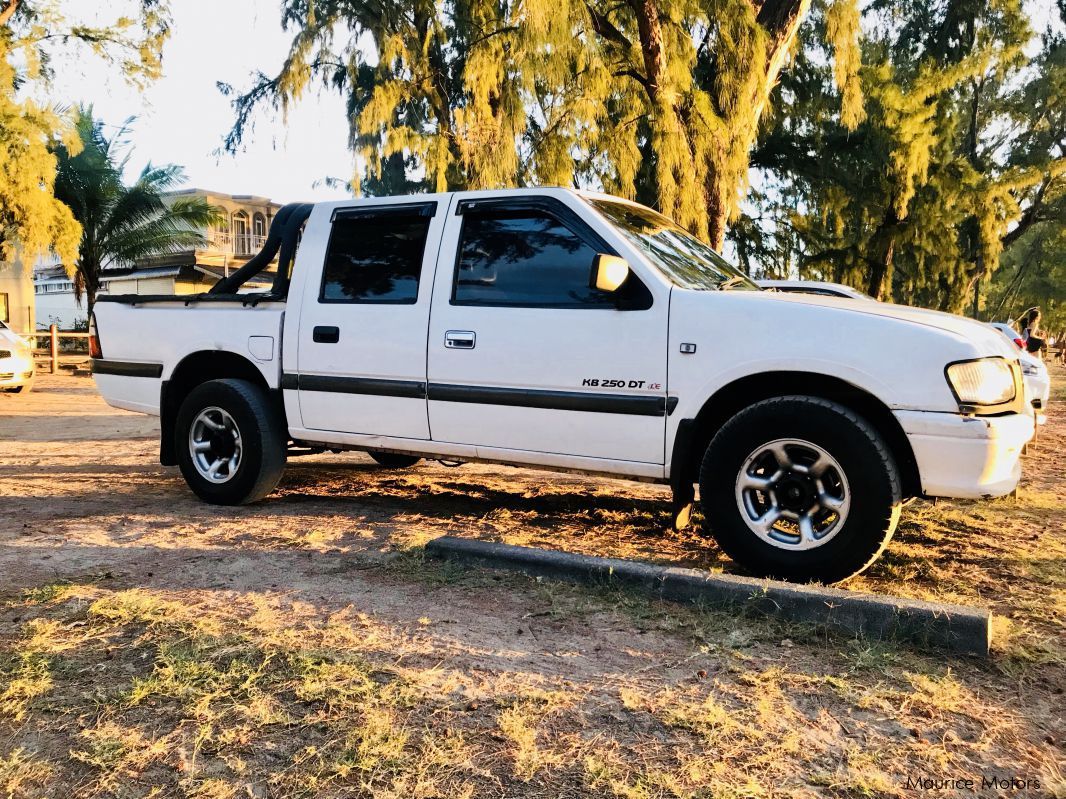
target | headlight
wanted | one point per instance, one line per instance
(987, 381)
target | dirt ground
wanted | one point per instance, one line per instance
(151, 645)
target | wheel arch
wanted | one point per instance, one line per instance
(193, 370)
(694, 435)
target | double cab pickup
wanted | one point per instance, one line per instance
(575, 331)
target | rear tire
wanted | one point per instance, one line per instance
(394, 460)
(800, 488)
(230, 441)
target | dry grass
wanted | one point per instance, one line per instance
(151, 646)
(148, 691)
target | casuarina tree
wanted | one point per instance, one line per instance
(35, 36)
(656, 99)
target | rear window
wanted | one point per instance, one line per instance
(375, 257)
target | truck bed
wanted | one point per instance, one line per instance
(144, 339)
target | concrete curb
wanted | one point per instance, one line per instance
(933, 625)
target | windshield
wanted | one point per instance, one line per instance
(685, 260)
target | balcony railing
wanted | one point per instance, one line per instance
(241, 244)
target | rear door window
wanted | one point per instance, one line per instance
(375, 256)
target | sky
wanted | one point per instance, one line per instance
(183, 117)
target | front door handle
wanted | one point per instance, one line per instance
(326, 334)
(460, 339)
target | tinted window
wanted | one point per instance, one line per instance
(375, 258)
(524, 258)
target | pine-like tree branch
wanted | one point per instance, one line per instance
(605, 28)
(8, 11)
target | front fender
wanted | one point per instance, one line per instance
(694, 399)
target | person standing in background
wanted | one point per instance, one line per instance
(1030, 331)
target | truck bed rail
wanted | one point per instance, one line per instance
(189, 299)
(284, 235)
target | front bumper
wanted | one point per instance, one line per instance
(15, 372)
(967, 456)
(1038, 392)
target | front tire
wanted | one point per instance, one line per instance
(800, 488)
(25, 388)
(230, 442)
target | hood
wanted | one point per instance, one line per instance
(10, 339)
(987, 338)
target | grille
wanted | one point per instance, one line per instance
(7, 375)
(5, 353)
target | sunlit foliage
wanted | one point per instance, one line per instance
(961, 152)
(33, 33)
(657, 99)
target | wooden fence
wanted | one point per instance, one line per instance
(53, 350)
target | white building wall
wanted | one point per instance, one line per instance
(60, 309)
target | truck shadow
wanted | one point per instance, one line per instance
(438, 495)
(356, 505)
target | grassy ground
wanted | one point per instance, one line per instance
(154, 646)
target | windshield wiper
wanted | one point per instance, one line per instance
(728, 284)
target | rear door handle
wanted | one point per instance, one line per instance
(326, 334)
(460, 339)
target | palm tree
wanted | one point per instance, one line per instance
(120, 223)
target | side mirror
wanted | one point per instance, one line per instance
(609, 272)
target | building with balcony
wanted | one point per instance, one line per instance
(240, 234)
(236, 237)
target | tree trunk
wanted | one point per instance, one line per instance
(90, 301)
(717, 212)
(7, 11)
(651, 44)
(884, 250)
(970, 227)
(439, 100)
(881, 268)
(86, 284)
(781, 19)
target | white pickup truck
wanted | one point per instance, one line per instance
(572, 331)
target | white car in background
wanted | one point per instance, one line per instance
(16, 361)
(819, 287)
(1034, 371)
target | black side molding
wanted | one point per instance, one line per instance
(126, 368)
(633, 405)
(554, 400)
(355, 385)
